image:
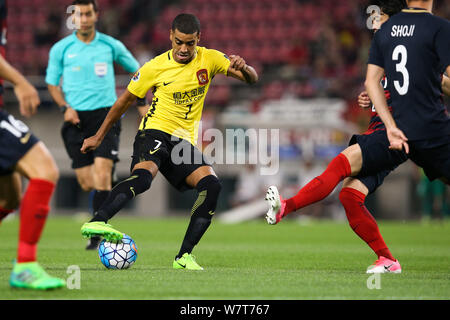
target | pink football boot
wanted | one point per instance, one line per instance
(385, 265)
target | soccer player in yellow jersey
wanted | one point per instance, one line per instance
(179, 80)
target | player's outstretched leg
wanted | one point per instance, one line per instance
(139, 181)
(316, 190)
(202, 212)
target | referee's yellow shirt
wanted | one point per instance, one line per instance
(179, 91)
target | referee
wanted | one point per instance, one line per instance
(85, 60)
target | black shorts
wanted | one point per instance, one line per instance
(433, 155)
(90, 121)
(378, 159)
(16, 140)
(176, 158)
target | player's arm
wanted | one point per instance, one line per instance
(240, 70)
(141, 103)
(125, 58)
(70, 114)
(54, 72)
(26, 94)
(442, 48)
(115, 113)
(446, 84)
(396, 137)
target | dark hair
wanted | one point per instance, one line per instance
(186, 23)
(86, 2)
(391, 7)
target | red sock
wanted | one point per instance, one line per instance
(321, 186)
(362, 222)
(33, 214)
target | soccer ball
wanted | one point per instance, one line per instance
(120, 255)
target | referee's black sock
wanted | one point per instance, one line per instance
(139, 181)
(202, 212)
(98, 199)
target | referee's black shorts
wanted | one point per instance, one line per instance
(74, 135)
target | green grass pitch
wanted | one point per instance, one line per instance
(324, 260)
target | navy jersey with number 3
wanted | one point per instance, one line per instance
(413, 48)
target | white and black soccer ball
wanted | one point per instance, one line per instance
(120, 255)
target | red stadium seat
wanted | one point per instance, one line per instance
(275, 14)
(243, 33)
(257, 15)
(218, 95)
(273, 90)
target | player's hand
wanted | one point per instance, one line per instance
(397, 139)
(237, 63)
(90, 144)
(364, 100)
(28, 98)
(71, 115)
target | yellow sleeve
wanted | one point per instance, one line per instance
(219, 62)
(143, 80)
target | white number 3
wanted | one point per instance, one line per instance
(401, 67)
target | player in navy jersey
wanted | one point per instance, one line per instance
(355, 189)
(413, 50)
(367, 160)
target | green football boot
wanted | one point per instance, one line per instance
(187, 261)
(30, 275)
(99, 228)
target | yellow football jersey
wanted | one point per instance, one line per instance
(179, 91)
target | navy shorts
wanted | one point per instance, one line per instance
(176, 158)
(90, 121)
(378, 159)
(16, 140)
(433, 155)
